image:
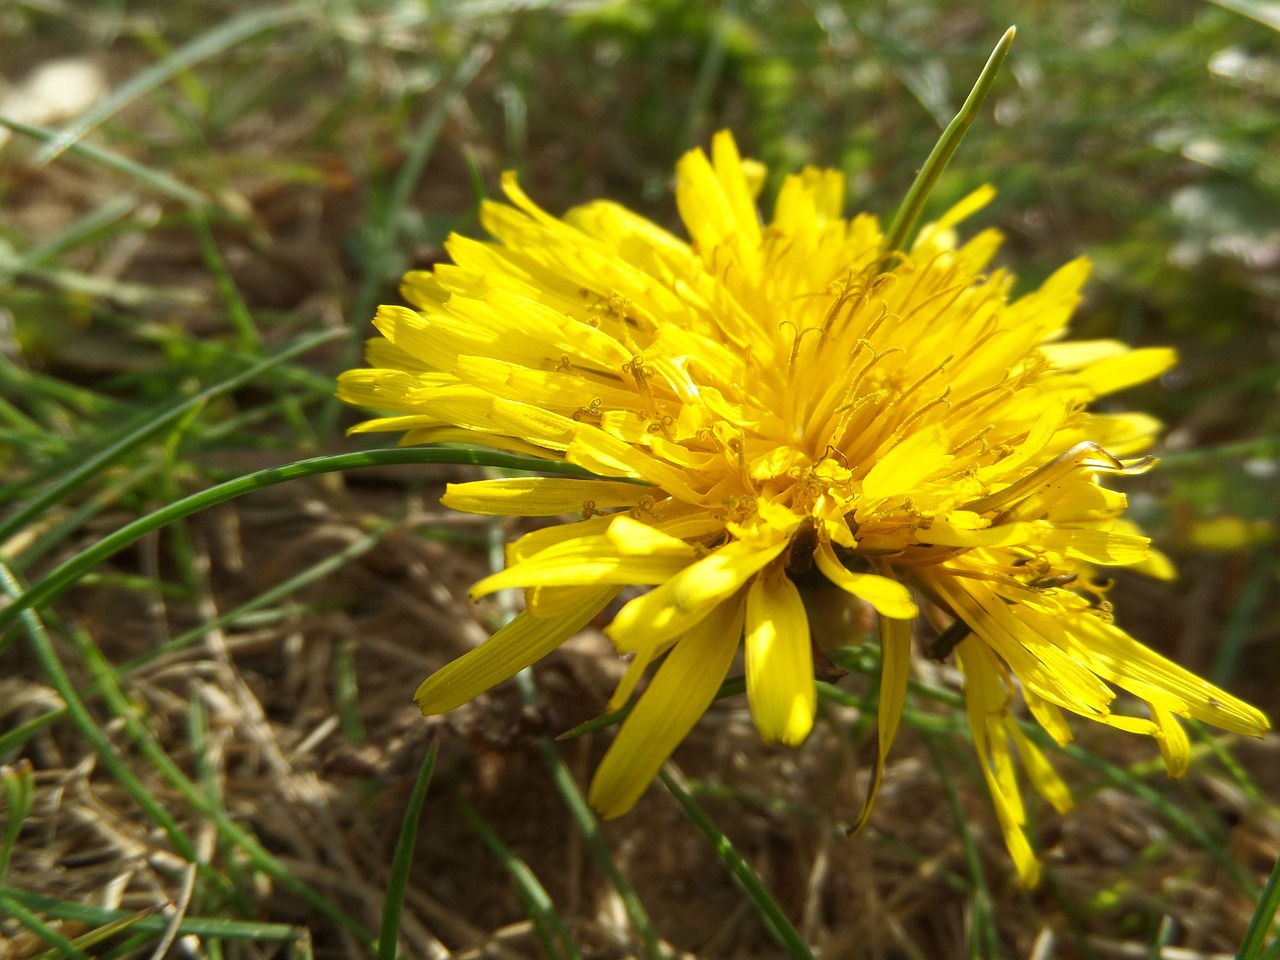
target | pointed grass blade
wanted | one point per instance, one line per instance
(538, 905)
(12, 908)
(1254, 945)
(402, 859)
(940, 156)
(206, 45)
(209, 927)
(70, 571)
(131, 439)
(770, 913)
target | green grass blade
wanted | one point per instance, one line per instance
(402, 859)
(241, 317)
(19, 794)
(589, 826)
(73, 569)
(108, 930)
(1262, 921)
(111, 210)
(17, 911)
(940, 156)
(538, 905)
(1235, 634)
(195, 926)
(75, 519)
(206, 45)
(232, 832)
(774, 919)
(1264, 13)
(983, 939)
(56, 492)
(95, 739)
(164, 765)
(709, 70)
(19, 735)
(162, 183)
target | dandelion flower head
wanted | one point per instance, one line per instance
(797, 401)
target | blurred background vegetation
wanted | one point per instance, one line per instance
(188, 189)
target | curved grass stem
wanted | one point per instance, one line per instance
(943, 150)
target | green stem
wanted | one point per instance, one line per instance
(402, 859)
(938, 159)
(56, 492)
(62, 577)
(1264, 915)
(774, 919)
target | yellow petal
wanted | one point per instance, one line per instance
(1074, 354)
(589, 560)
(779, 660)
(889, 597)
(1143, 672)
(1016, 635)
(910, 460)
(678, 695)
(1172, 739)
(729, 171)
(986, 702)
(1050, 717)
(541, 496)
(1040, 771)
(675, 606)
(472, 438)
(523, 641)
(633, 538)
(895, 671)
(1129, 368)
(598, 452)
(946, 534)
(1096, 546)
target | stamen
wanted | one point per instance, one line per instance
(640, 377)
(923, 409)
(923, 380)
(865, 339)
(1087, 455)
(979, 437)
(857, 382)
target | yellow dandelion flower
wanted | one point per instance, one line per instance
(799, 402)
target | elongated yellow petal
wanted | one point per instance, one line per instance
(1074, 354)
(1042, 666)
(541, 496)
(889, 597)
(1135, 366)
(779, 660)
(986, 703)
(587, 560)
(1143, 672)
(944, 534)
(1043, 777)
(678, 695)
(600, 453)
(679, 603)
(906, 463)
(1049, 716)
(1174, 746)
(523, 641)
(895, 671)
